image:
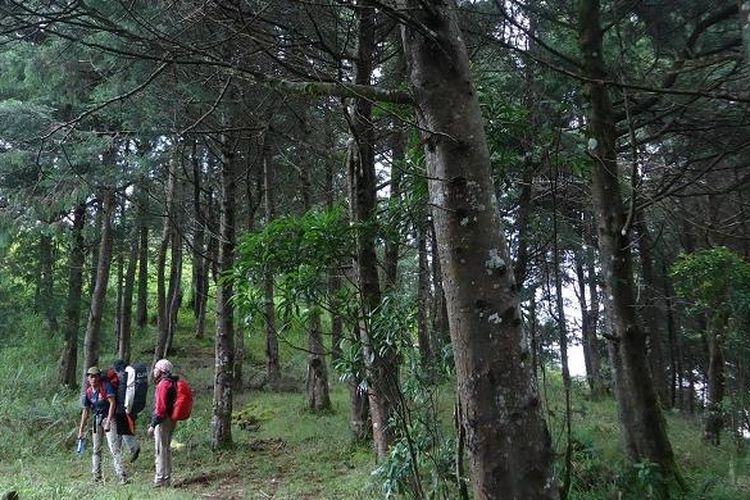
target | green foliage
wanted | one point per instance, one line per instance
(713, 278)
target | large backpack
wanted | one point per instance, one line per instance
(183, 400)
(119, 382)
(141, 388)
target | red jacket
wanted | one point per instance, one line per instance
(166, 392)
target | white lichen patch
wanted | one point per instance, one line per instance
(495, 319)
(464, 221)
(494, 262)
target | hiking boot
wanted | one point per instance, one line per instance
(135, 454)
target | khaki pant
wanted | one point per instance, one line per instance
(114, 443)
(163, 452)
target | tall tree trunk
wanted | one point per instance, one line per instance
(380, 360)
(200, 271)
(423, 295)
(92, 340)
(141, 312)
(47, 302)
(69, 356)
(334, 278)
(390, 258)
(652, 312)
(589, 339)
(120, 279)
(644, 427)
(318, 398)
(273, 368)
(507, 439)
(126, 313)
(222, 403)
(174, 295)
(94, 245)
(162, 311)
(440, 333)
(716, 386)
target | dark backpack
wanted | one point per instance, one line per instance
(141, 388)
(119, 382)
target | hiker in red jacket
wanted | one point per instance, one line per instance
(162, 426)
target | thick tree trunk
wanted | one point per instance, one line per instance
(643, 424)
(69, 356)
(92, 341)
(221, 423)
(507, 439)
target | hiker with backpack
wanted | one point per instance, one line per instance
(172, 402)
(131, 391)
(99, 399)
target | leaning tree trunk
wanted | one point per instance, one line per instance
(643, 424)
(507, 439)
(221, 423)
(69, 356)
(92, 341)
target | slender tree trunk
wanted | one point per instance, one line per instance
(47, 302)
(589, 339)
(653, 313)
(69, 356)
(200, 273)
(162, 318)
(141, 312)
(716, 384)
(423, 295)
(119, 284)
(92, 340)
(126, 313)
(224, 373)
(440, 331)
(507, 439)
(643, 425)
(390, 259)
(96, 239)
(380, 359)
(317, 372)
(175, 288)
(273, 368)
(334, 278)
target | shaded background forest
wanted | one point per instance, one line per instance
(427, 194)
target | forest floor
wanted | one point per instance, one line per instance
(283, 451)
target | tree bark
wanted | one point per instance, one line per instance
(380, 359)
(507, 439)
(47, 302)
(716, 383)
(273, 368)
(224, 345)
(643, 424)
(69, 356)
(318, 398)
(200, 270)
(141, 313)
(162, 318)
(92, 340)
(126, 313)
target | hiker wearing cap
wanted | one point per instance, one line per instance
(99, 399)
(162, 426)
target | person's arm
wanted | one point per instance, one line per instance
(160, 403)
(82, 426)
(112, 404)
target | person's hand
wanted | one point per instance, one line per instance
(150, 431)
(80, 435)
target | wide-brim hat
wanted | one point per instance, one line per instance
(94, 370)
